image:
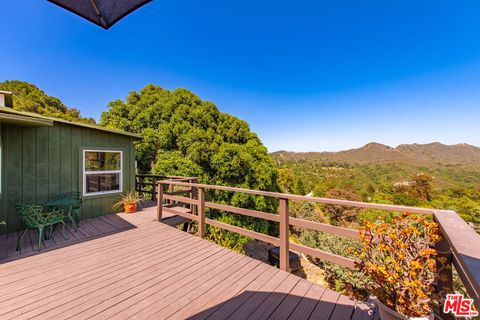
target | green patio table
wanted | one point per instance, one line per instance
(70, 203)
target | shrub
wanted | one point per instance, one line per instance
(342, 215)
(340, 278)
(399, 260)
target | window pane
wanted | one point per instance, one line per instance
(103, 182)
(102, 161)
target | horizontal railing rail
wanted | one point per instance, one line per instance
(146, 184)
(278, 195)
(459, 243)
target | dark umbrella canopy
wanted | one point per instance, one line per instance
(104, 13)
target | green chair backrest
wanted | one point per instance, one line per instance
(31, 215)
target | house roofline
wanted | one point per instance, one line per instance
(74, 123)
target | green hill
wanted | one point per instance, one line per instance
(28, 97)
(431, 154)
(380, 173)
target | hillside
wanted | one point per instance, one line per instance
(28, 97)
(379, 173)
(432, 154)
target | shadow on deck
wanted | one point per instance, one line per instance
(90, 228)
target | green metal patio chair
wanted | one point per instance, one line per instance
(33, 218)
(70, 202)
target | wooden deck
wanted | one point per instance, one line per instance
(90, 229)
(130, 267)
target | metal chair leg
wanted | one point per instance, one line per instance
(20, 238)
(76, 217)
(71, 217)
(40, 237)
(51, 232)
(63, 231)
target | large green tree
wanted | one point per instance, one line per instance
(185, 135)
(28, 97)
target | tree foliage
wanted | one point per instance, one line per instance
(184, 135)
(289, 182)
(28, 97)
(342, 215)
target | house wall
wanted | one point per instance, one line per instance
(41, 162)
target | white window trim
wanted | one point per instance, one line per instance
(85, 173)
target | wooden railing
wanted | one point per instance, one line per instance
(146, 183)
(459, 244)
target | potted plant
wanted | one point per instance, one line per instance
(399, 261)
(129, 201)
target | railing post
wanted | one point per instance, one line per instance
(171, 188)
(140, 185)
(284, 241)
(201, 212)
(193, 195)
(159, 201)
(154, 184)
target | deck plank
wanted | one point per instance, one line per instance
(213, 304)
(325, 305)
(258, 296)
(217, 294)
(137, 303)
(41, 287)
(308, 303)
(171, 306)
(230, 306)
(344, 308)
(287, 306)
(96, 289)
(43, 263)
(276, 298)
(28, 281)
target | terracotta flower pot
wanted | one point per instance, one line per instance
(387, 313)
(130, 207)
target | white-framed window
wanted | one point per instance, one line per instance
(102, 172)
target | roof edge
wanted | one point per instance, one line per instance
(80, 124)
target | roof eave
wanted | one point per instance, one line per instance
(24, 121)
(81, 124)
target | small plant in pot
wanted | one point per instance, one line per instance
(399, 261)
(129, 201)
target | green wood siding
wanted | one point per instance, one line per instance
(41, 162)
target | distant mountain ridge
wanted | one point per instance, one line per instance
(415, 154)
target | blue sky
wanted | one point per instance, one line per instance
(306, 75)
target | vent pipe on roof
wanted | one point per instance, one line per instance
(6, 99)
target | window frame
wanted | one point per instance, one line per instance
(85, 173)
